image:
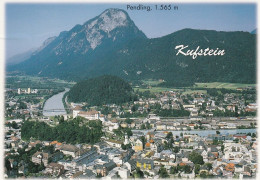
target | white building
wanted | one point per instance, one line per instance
(122, 172)
(76, 111)
(29, 90)
(90, 115)
(153, 116)
(235, 152)
(114, 143)
(68, 149)
(126, 139)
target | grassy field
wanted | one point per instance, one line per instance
(151, 82)
(222, 85)
(162, 89)
(35, 82)
(189, 90)
(156, 89)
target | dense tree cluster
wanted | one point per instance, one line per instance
(196, 158)
(216, 91)
(67, 131)
(178, 168)
(146, 126)
(129, 121)
(133, 115)
(120, 132)
(138, 173)
(126, 147)
(22, 105)
(13, 125)
(24, 156)
(163, 172)
(145, 94)
(102, 90)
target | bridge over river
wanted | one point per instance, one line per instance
(54, 106)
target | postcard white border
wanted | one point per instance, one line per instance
(2, 50)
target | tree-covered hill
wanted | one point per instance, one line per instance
(101, 90)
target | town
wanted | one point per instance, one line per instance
(168, 134)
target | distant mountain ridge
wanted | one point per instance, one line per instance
(18, 58)
(112, 44)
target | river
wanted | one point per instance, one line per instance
(54, 106)
(205, 132)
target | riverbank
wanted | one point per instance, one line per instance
(65, 103)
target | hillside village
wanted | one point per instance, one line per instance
(158, 136)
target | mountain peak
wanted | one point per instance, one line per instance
(114, 11)
(109, 20)
(111, 27)
(103, 25)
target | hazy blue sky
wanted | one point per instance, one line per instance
(28, 25)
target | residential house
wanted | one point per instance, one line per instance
(124, 125)
(189, 106)
(154, 116)
(87, 174)
(194, 113)
(204, 169)
(85, 158)
(34, 143)
(124, 173)
(138, 145)
(161, 162)
(114, 143)
(161, 126)
(231, 108)
(54, 169)
(236, 152)
(181, 127)
(56, 144)
(104, 169)
(131, 165)
(23, 169)
(150, 135)
(252, 107)
(41, 157)
(230, 167)
(145, 164)
(69, 149)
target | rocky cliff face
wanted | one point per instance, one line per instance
(112, 25)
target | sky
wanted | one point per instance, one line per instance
(28, 25)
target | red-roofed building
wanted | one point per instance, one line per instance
(240, 136)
